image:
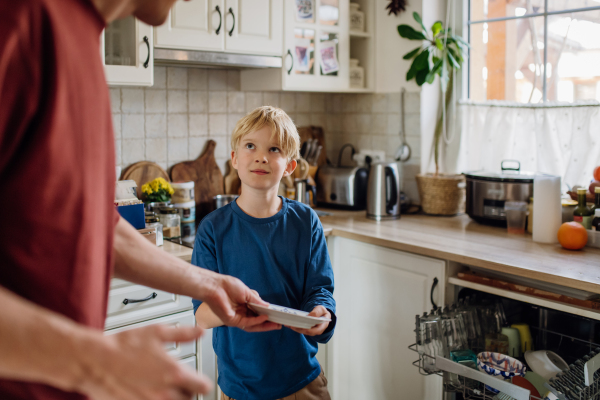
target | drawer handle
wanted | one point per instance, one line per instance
(147, 41)
(217, 9)
(152, 296)
(233, 26)
(433, 285)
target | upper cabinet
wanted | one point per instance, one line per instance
(126, 50)
(235, 26)
(319, 45)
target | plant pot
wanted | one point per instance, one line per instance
(442, 194)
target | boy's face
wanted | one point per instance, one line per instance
(260, 161)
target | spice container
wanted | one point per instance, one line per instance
(183, 192)
(357, 74)
(357, 18)
(187, 211)
(153, 222)
(171, 221)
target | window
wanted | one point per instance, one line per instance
(531, 51)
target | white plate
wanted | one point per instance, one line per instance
(287, 316)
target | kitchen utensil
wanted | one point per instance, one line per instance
(341, 153)
(496, 342)
(143, 172)
(315, 157)
(525, 334)
(545, 363)
(383, 194)
(309, 148)
(232, 181)
(403, 152)
(488, 191)
(537, 381)
(301, 191)
(207, 177)
(224, 199)
(514, 341)
(342, 187)
(183, 192)
(301, 171)
(521, 381)
(547, 213)
(499, 366)
(287, 316)
(516, 216)
(316, 134)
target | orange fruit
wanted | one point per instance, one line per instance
(597, 173)
(572, 235)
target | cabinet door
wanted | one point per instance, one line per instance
(317, 45)
(193, 25)
(126, 47)
(378, 293)
(254, 27)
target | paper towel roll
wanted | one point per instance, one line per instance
(547, 213)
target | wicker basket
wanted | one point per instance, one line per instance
(442, 195)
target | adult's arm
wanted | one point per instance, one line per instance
(39, 345)
(137, 260)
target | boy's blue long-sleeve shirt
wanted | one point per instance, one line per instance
(284, 258)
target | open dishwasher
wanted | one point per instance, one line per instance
(471, 362)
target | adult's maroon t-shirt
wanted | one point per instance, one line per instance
(57, 165)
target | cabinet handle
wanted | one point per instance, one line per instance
(152, 296)
(291, 66)
(233, 26)
(217, 9)
(147, 41)
(433, 285)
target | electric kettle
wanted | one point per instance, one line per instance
(383, 196)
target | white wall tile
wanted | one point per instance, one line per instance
(318, 102)
(232, 120)
(393, 143)
(156, 101)
(379, 142)
(236, 102)
(117, 125)
(196, 146)
(118, 145)
(379, 124)
(413, 102)
(271, 99)
(364, 142)
(288, 102)
(197, 101)
(349, 103)
(178, 149)
(253, 100)
(363, 123)
(379, 103)
(334, 123)
(115, 100)
(217, 79)
(132, 151)
(336, 103)
(177, 101)
(197, 79)
(132, 100)
(393, 102)
(302, 120)
(413, 124)
(198, 124)
(177, 78)
(318, 120)
(233, 80)
(349, 123)
(160, 78)
(177, 125)
(302, 102)
(156, 150)
(364, 103)
(133, 126)
(217, 125)
(222, 148)
(156, 125)
(217, 102)
(393, 124)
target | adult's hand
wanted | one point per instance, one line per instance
(318, 311)
(133, 365)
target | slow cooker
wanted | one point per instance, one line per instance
(488, 191)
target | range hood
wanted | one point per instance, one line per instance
(204, 59)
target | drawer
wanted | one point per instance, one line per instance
(190, 362)
(125, 307)
(116, 283)
(177, 350)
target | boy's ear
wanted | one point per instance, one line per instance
(234, 159)
(289, 169)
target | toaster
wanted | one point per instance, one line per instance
(342, 187)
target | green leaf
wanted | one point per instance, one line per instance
(435, 70)
(452, 59)
(436, 28)
(411, 54)
(460, 40)
(417, 18)
(439, 44)
(422, 76)
(421, 61)
(408, 32)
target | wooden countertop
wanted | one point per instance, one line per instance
(464, 241)
(185, 253)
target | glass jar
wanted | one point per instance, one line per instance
(357, 74)
(152, 222)
(171, 221)
(357, 18)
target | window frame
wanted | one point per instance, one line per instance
(545, 14)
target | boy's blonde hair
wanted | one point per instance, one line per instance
(281, 124)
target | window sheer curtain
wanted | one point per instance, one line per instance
(559, 139)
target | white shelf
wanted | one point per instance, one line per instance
(554, 305)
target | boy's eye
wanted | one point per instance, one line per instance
(249, 146)
(275, 149)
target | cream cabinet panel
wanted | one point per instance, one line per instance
(193, 25)
(378, 293)
(126, 50)
(254, 27)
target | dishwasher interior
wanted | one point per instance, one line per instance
(574, 338)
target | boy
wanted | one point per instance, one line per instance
(275, 246)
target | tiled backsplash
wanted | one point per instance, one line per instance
(172, 120)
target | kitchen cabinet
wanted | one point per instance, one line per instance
(378, 292)
(126, 51)
(234, 26)
(317, 49)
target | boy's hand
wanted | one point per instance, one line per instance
(318, 311)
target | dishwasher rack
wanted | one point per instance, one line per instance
(462, 379)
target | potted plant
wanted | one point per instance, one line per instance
(440, 53)
(157, 192)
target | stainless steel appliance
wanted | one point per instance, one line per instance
(488, 191)
(342, 187)
(385, 184)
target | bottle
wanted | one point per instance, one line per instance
(596, 200)
(582, 213)
(357, 74)
(596, 220)
(357, 18)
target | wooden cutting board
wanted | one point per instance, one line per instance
(143, 172)
(207, 177)
(232, 180)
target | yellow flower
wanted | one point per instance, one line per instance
(146, 189)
